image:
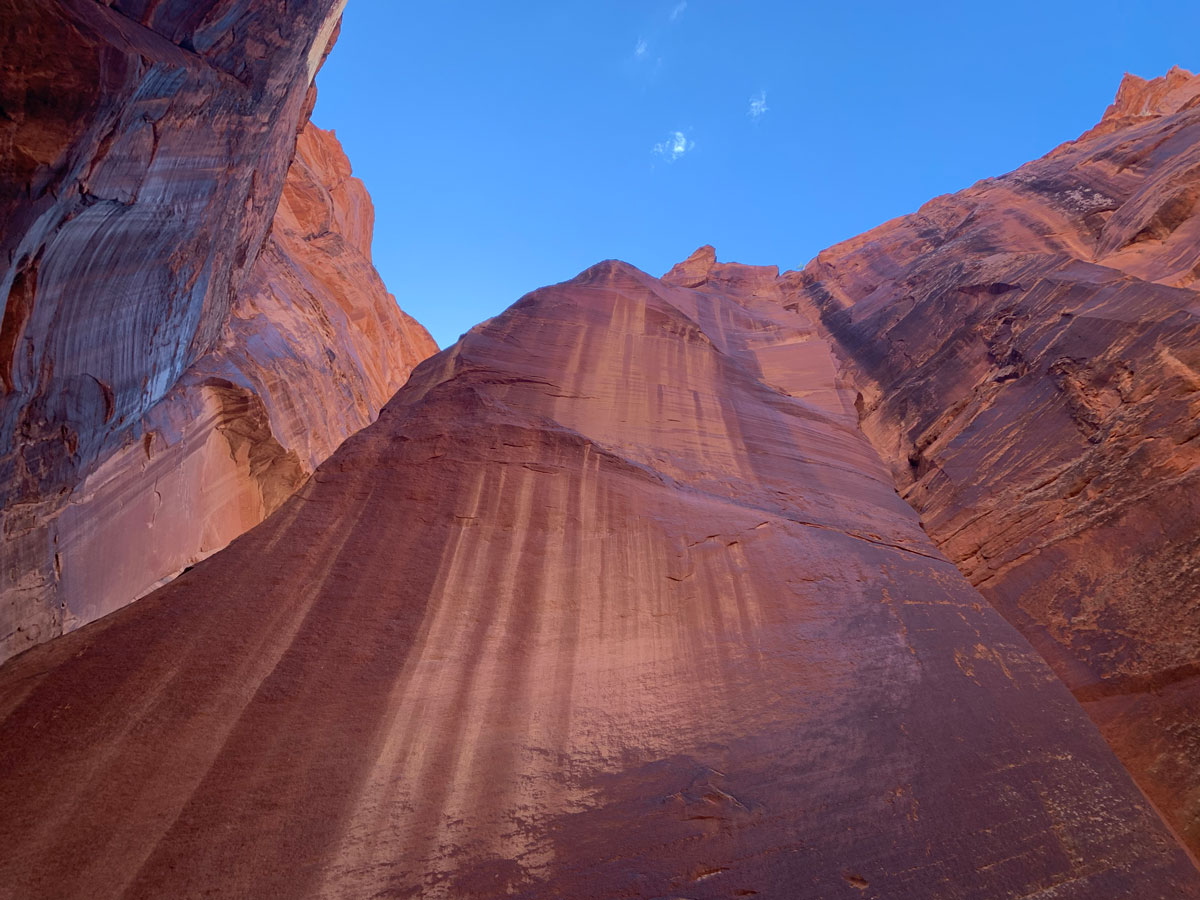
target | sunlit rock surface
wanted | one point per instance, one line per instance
(143, 152)
(614, 600)
(1028, 355)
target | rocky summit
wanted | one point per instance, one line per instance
(875, 579)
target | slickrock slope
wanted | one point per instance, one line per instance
(609, 602)
(1028, 353)
(141, 165)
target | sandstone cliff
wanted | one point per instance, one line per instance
(1028, 357)
(313, 348)
(617, 596)
(614, 600)
(145, 416)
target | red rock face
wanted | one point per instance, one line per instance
(145, 417)
(314, 331)
(314, 346)
(1028, 355)
(614, 600)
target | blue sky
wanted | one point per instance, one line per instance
(510, 145)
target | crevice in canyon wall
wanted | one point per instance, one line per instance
(1030, 353)
(245, 425)
(147, 250)
(16, 314)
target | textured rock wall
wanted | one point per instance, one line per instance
(141, 165)
(611, 601)
(313, 348)
(1028, 356)
(314, 332)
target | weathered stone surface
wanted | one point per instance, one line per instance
(314, 332)
(1139, 100)
(609, 602)
(313, 348)
(141, 165)
(1028, 354)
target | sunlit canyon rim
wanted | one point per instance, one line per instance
(876, 579)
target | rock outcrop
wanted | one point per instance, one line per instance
(614, 600)
(313, 348)
(141, 167)
(1028, 357)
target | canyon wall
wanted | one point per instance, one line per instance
(1027, 354)
(159, 375)
(613, 600)
(313, 348)
(617, 596)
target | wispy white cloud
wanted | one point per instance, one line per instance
(758, 106)
(675, 146)
(677, 11)
(640, 50)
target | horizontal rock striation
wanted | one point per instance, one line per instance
(141, 168)
(1028, 357)
(613, 600)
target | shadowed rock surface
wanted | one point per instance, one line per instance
(142, 161)
(613, 600)
(1028, 357)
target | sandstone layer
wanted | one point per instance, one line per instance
(141, 167)
(313, 348)
(614, 600)
(1028, 357)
